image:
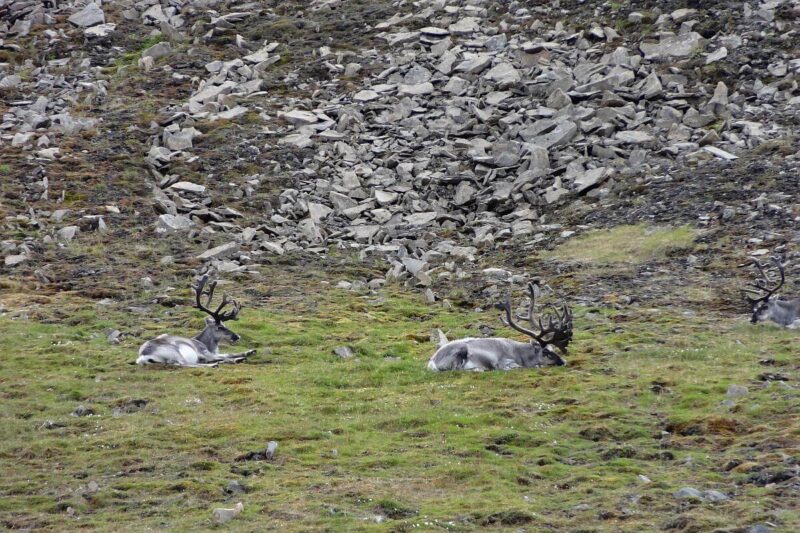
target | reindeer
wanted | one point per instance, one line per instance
(201, 350)
(783, 312)
(505, 354)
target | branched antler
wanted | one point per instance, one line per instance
(762, 286)
(557, 332)
(200, 290)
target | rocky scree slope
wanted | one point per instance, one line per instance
(423, 132)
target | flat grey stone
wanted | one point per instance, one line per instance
(318, 211)
(503, 74)
(299, 117)
(179, 140)
(10, 81)
(736, 391)
(365, 96)
(694, 119)
(418, 89)
(475, 64)
(673, 46)
(416, 75)
(634, 137)
(652, 87)
(343, 352)
(386, 197)
(188, 186)
(457, 86)
(167, 222)
(421, 219)
(434, 31)
(464, 194)
(341, 202)
(90, 15)
(497, 274)
(589, 179)
(465, 26)
(158, 50)
(298, 140)
(66, 234)
(14, 260)
(101, 30)
(219, 252)
(717, 55)
(560, 135)
(688, 493)
(714, 496)
(558, 99)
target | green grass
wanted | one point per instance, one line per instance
(132, 57)
(625, 244)
(556, 448)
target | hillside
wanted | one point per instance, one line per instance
(360, 174)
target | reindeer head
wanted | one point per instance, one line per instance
(557, 333)
(216, 319)
(765, 289)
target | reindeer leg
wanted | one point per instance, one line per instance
(234, 357)
(201, 365)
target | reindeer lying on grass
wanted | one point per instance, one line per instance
(201, 350)
(783, 312)
(504, 354)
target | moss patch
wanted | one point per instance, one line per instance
(625, 244)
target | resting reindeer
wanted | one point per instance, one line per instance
(201, 350)
(783, 312)
(505, 354)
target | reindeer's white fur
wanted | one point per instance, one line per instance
(491, 354)
(202, 349)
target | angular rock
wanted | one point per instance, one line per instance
(188, 186)
(91, 15)
(634, 137)
(14, 260)
(464, 193)
(589, 179)
(299, 117)
(168, 222)
(688, 493)
(158, 50)
(419, 89)
(503, 74)
(673, 46)
(475, 64)
(66, 234)
(219, 252)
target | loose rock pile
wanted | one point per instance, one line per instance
(483, 127)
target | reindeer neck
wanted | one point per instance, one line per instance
(207, 338)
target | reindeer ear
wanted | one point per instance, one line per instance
(210, 320)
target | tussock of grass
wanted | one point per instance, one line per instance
(625, 244)
(378, 435)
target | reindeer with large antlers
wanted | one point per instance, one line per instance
(505, 354)
(201, 350)
(783, 312)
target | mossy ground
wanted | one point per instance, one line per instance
(625, 244)
(380, 436)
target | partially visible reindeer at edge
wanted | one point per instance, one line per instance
(505, 354)
(785, 312)
(202, 349)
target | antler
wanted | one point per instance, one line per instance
(558, 331)
(200, 289)
(761, 286)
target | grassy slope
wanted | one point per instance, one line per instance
(553, 448)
